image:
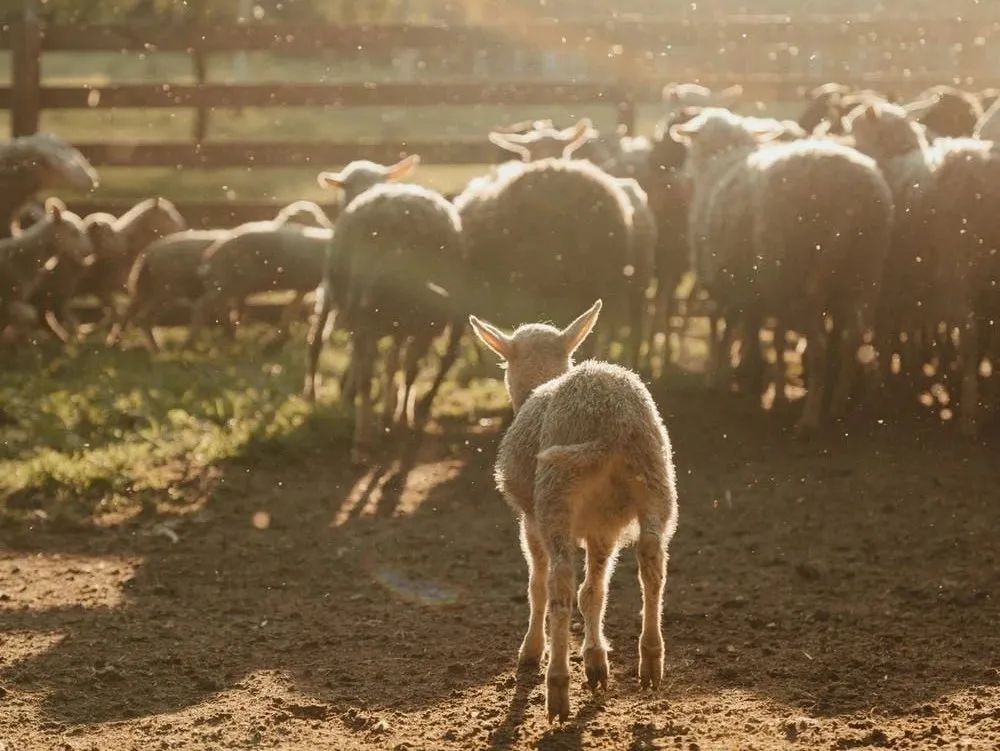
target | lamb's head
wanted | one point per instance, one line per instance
(536, 352)
(715, 131)
(883, 131)
(359, 176)
(55, 162)
(105, 239)
(67, 235)
(546, 142)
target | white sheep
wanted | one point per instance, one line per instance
(585, 462)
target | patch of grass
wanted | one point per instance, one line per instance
(89, 429)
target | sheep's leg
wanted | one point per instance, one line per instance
(969, 357)
(538, 564)
(652, 557)
(415, 352)
(778, 374)
(54, 325)
(324, 309)
(390, 391)
(423, 409)
(751, 366)
(561, 584)
(817, 356)
(851, 337)
(591, 600)
(636, 309)
(662, 313)
(197, 322)
(364, 363)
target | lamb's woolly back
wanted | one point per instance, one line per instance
(305, 213)
(148, 221)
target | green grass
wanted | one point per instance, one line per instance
(90, 432)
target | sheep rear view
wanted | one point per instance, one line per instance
(586, 461)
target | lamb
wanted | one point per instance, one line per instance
(31, 163)
(165, 272)
(586, 461)
(30, 260)
(266, 256)
(683, 95)
(393, 268)
(959, 271)
(554, 232)
(793, 231)
(543, 141)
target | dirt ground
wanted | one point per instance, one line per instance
(839, 593)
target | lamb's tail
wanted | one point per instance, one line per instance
(590, 455)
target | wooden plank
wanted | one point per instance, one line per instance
(329, 95)
(650, 33)
(26, 72)
(319, 154)
(763, 86)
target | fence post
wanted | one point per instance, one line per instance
(200, 59)
(26, 52)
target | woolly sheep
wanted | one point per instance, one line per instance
(31, 163)
(30, 263)
(792, 231)
(393, 268)
(283, 255)
(946, 112)
(544, 141)
(681, 95)
(164, 273)
(585, 462)
(553, 234)
(959, 270)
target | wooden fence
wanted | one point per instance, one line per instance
(774, 58)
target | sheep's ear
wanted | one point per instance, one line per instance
(492, 337)
(403, 167)
(508, 141)
(577, 136)
(683, 132)
(916, 109)
(873, 113)
(330, 180)
(54, 208)
(574, 334)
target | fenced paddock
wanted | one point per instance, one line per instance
(188, 560)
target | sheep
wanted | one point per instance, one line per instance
(263, 257)
(586, 461)
(958, 273)
(518, 128)
(31, 163)
(119, 242)
(30, 261)
(946, 112)
(791, 230)
(682, 95)
(393, 268)
(165, 272)
(554, 232)
(544, 141)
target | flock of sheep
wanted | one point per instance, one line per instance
(867, 228)
(870, 229)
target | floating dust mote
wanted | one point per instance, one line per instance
(261, 520)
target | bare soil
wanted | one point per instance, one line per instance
(838, 593)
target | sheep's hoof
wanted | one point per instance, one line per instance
(529, 658)
(595, 663)
(557, 697)
(650, 667)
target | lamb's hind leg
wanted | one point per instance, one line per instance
(560, 591)
(652, 556)
(592, 599)
(538, 567)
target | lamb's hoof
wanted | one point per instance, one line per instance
(528, 659)
(557, 697)
(595, 663)
(650, 667)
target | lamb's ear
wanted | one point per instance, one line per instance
(492, 337)
(577, 136)
(54, 208)
(574, 334)
(507, 141)
(914, 110)
(403, 167)
(683, 132)
(330, 180)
